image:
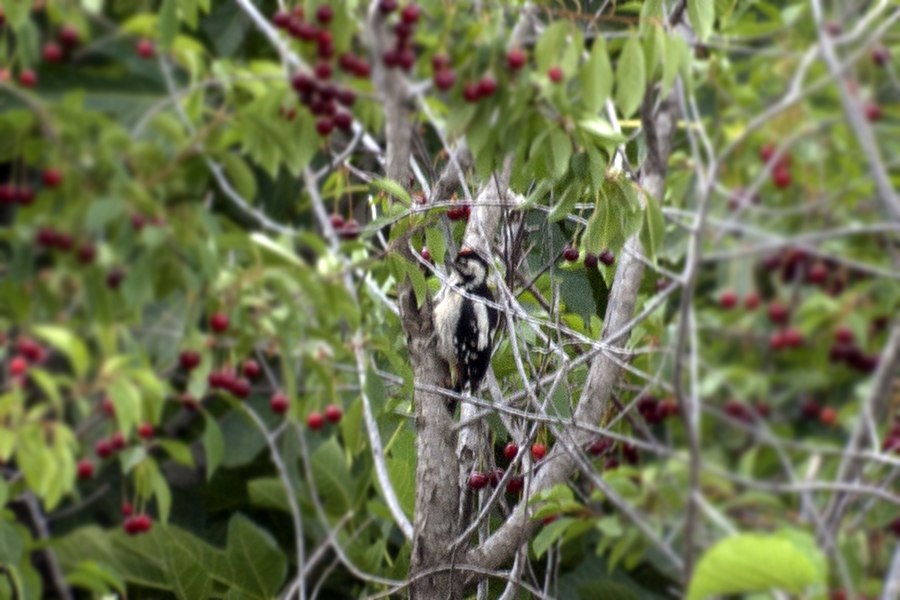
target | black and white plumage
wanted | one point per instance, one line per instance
(465, 327)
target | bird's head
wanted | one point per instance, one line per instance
(472, 267)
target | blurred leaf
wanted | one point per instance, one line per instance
(213, 446)
(257, 565)
(631, 79)
(596, 77)
(66, 342)
(702, 13)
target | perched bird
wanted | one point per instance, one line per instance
(465, 326)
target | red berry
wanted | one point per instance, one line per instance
(406, 58)
(103, 448)
(495, 476)
(52, 52)
(31, 350)
(69, 36)
(343, 121)
(833, 29)
(478, 480)
(549, 519)
(810, 408)
(767, 152)
(315, 421)
(219, 322)
(114, 278)
(440, 62)
(117, 441)
(303, 83)
(251, 369)
(792, 337)
(570, 254)
(241, 388)
(607, 258)
(471, 92)
(781, 177)
(28, 78)
(346, 97)
(189, 402)
(362, 69)
(333, 414)
(7, 193)
(777, 341)
(127, 509)
(281, 19)
(410, 14)
(667, 408)
(515, 485)
(85, 469)
(601, 446)
(145, 48)
(444, 80)
(426, 255)
(751, 301)
(18, 366)
(827, 416)
(555, 74)
(487, 86)
(279, 403)
(143, 523)
(873, 112)
(881, 56)
(778, 313)
(844, 335)
(108, 408)
(25, 195)
(648, 407)
(631, 454)
(728, 300)
(325, 38)
(145, 431)
(51, 178)
(86, 254)
(188, 360)
(387, 6)
(390, 58)
(324, 14)
(510, 451)
(590, 261)
(324, 125)
(351, 230)
(538, 451)
(515, 58)
(130, 525)
(611, 463)
(337, 222)
(323, 71)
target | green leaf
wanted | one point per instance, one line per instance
(549, 534)
(631, 78)
(551, 44)
(653, 227)
(702, 13)
(561, 149)
(417, 278)
(127, 400)
(168, 23)
(393, 188)
(69, 344)
(213, 446)
(16, 12)
(256, 563)
(651, 13)
(596, 77)
(434, 240)
(11, 544)
(401, 465)
(268, 492)
(189, 560)
(240, 175)
(751, 563)
(602, 129)
(675, 49)
(332, 477)
(179, 451)
(564, 204)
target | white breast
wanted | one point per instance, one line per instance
(446, 319)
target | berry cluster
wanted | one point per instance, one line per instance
(607, 447)
(28, 352)
(781, 171)
(135, 524)
(348, 230)
(402, 54)
(316, 420)
(656, 411)
(459, 212)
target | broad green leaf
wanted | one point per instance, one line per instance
(257, 565)
(213, 446)
(561, 148)
(268, 492)
(631, 78)
(189, 562)
(751, 563)
(702, 13)
(240, 175)
(69, 344)
(127, 400)
(332, 477)
(564, 204)
(11, 544)
(549, 534)
(596, 77)
(401, 464)
(675, 49)
(275, 249)
(16, 12)
(602, 129)
(393, 188)
(434, 240)
(168, 23)
(179, 451)
(651, 14)
(653, 227)
(550, 45)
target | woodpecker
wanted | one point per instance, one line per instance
(465, 326)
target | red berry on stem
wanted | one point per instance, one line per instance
(387, 6)
(188, 360)
(324, 125)
(471, 93)
(241, 388)
(281, 19)
(515, 485)
(781, 177)
(778, 313)
(792, 337)
(515, 58)
(570, 254)
(333, 414)
(767, 152)
(127, 509)
(728, 300)
(85, 469)
(495, 477)
(69, 36)
(601, 446)
(51, 177)
(108, 408)
(510, 451)
(337, 221)
(440, 62)
(827, 416)
(844, 335)
(555, 74)
(145, 431)
(444, 80)
(219, 322)
(143, 523)
(145, 48)
(751, 301)
(251, 369)
(478, 481)
(315, 421)
(881, 56)
(28, 78)
(362, 69)
(777, 341)
(406, 58)
(130, 525)
(426, 255)
(873, 112)
(324, 14)
(279, 403)
(410, 14)
(323, 71)
(114, 278)
(103, 448)
(538, 451)
(810, 408)
(117, 441)
(487, 86)
(52, 52)
(607, 258)
(590, 261)
(18, 366)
